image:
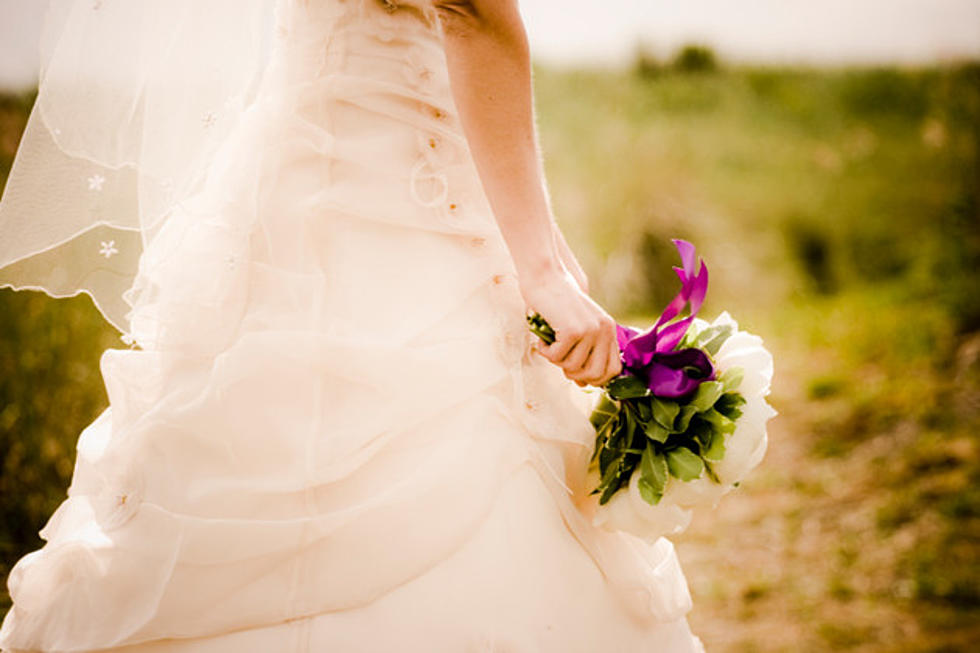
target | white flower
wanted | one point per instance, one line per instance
(108, 248)
(702, 491)
(723, 319)
(95, 182)
(745, 350)
(627, 511)
(745, 447)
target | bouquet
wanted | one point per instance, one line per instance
(684, 422)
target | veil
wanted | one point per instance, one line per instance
(134, 98)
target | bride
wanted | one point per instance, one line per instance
(332, 430)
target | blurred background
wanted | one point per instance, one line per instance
(823, 157)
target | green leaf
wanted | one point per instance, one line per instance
(696, 338)
(607, 493)
(653, 475)
(706, 396)
(609, 479)
(719, 422)
(612, 480)
(665, 412)
(643, 409)
(683, 420)
(606, 458)
(606, 410)
(690, 336)
(597, 447)
(715, 451)
(611, 471)
(630, 427)
(656, 432)
(698, 427)
(731, 378)
(729, 405)
(684, 464)
(615, 440)
(712, 338)
(626, 386)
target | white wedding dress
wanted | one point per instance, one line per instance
(334, 435)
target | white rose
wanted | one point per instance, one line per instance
(702, 491)
(745, 447)
(627, 511)
(724, 319)
(745, 350)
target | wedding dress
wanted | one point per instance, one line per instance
(334, 435)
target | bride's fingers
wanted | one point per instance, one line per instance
(559, 349)
(614, 366)
(574, 363)
(595, 367)
(564, 349)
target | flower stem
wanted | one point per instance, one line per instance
(540, 327)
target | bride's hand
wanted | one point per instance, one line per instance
(585, 344)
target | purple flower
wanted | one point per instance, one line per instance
(651, 357)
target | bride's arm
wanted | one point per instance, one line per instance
(490, 73)
(570, 261)
(489, 67)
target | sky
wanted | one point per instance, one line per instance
(608, 32)
(767, 31)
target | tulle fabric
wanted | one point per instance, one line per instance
(134, 98)
(334, 434)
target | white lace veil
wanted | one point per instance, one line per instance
(134, 97)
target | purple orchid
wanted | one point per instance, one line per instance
(651, 357)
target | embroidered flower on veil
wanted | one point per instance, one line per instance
(95, 182)
(108, 248)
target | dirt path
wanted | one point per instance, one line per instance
(790, 561)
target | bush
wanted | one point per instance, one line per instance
(646, 65)
(695, 59)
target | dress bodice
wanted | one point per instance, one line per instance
(387, 59)
(376, 40)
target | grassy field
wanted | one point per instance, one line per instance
(838, 213)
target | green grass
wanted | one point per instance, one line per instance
(838, 213)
